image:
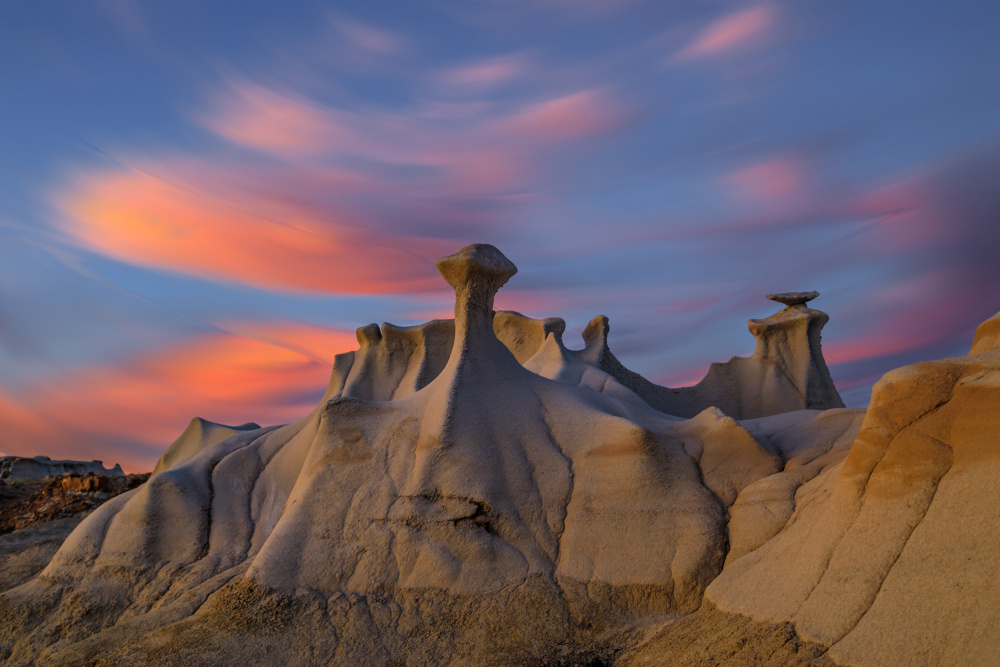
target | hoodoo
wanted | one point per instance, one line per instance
(470, 491)
(786, 372)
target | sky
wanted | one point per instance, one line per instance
(200, 201)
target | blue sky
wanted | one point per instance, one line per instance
(201, 201)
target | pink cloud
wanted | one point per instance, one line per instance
(926, 313)
(686, 377)
(771, 179)
(483, 147)
(370, 38)
(484, 152)
(464, 111)
(487, 171)
(731, 32)
(485, 73)
(573, 116)
(872, 347)
(264, 119)
(148, 399)
(307, 222)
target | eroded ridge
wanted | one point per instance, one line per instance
(878, 558)
(471, 490)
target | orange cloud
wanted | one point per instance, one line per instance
(149, 399)
(316, 342)
(211, 232)
(311, 224)
(731, 32)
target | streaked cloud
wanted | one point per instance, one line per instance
(485, 73)
(369, 37)
(198, 226)
(344, 207)
(770, 179)
(581, 114)
(261, 118)
(144, 402)
(233, 171)
(730, 33)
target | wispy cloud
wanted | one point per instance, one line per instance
(143, 402)
(730, 33)
(770, 179)
(178, 221)
(350, 202)
(485, 73)
(261, 118)
(371, 38)
(582, 114)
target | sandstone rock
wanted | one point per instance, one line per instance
(477, 465)
(473, 492)
(987, 336)
(888, 556)
(787, 371)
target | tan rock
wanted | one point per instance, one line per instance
(787, 371)
(473, 492)
(883, 557)
(987, 336)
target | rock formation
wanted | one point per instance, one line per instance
(473, 492)
(40, 467)
(890, 555)
(786, 372)
(25, 504)
(987, 336)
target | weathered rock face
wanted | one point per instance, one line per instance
(890, 556)
(473, 492)
(16, 467)
(500, 486)
(987, 336)
(786, 372)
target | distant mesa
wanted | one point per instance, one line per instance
(472, 491)
(793, 298)
(17, 467)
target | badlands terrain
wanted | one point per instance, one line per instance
(474, 492)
